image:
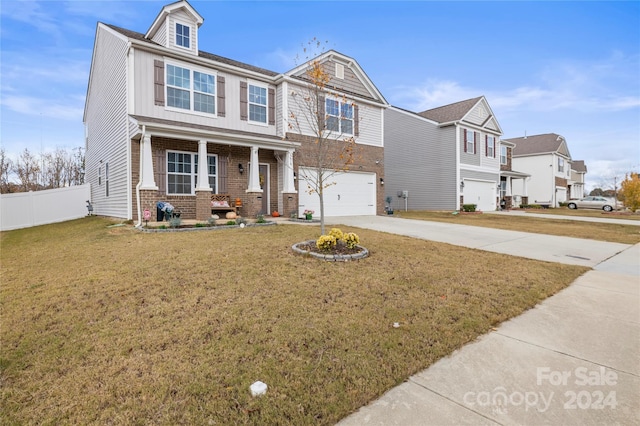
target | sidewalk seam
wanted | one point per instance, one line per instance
(455, 402)
(568, 355)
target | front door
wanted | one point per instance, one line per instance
(264, 185)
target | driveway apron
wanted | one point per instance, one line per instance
(571, 360)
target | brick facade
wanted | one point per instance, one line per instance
(507, 167)
(188, 205)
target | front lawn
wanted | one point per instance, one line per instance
(114, 326)
(613, 232)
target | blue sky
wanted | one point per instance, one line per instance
(571, 68)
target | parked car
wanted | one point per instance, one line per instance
(595, 202)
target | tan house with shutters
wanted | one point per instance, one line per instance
(157, 106)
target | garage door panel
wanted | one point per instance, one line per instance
(482, 194)
(351, 194)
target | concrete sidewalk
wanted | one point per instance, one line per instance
(571, 360)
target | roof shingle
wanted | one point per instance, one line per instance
(451, 112)
(537, 144)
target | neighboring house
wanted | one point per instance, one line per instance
(444, 157)
(513, 184)
(576, 183)
(547, 159)
(165, 121)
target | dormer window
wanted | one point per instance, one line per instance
(183, 35)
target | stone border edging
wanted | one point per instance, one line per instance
(202, 228)
(331, 257)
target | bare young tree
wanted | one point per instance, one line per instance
(6, 167)
(327, 115)
(26, 169)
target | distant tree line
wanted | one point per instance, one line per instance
(35, 172)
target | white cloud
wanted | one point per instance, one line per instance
(606, 85)
(40, 106)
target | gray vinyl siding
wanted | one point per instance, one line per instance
(106, 120)
(145, 105)
(469, 157)
(477, 175)
(421, 158)
(280, 131)
(349, 84)
(160, 36)
(478, 115)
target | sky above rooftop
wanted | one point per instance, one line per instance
(571, 68)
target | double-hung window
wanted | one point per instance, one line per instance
(339, 116)
(561, 165)
(491, 146)
(182, 35)
(470, 141)
(503, 154)
(257, 104)
(182, 172)
(184, 84)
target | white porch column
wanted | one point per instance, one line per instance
(524, 187)
(147, 181)
(288, 185)
(203, 165)
(254, 172)
(509, 182)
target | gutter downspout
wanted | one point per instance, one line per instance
(138, 207)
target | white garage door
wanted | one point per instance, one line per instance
(482, 194)
(561, 195)
(353, 194)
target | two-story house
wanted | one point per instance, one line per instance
(166, 121)
(547, 159)
(444, 157)
(513, 184)
(577, 181)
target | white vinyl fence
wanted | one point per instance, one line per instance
(26, 209)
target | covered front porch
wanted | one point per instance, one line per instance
(510, 197)
(252, 170)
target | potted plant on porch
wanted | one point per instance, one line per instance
(308, 214)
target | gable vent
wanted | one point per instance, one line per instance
(340, 71)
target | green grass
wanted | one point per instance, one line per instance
(612, 232)
(111, 325)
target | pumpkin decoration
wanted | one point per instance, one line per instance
(231, 215)
(275, 214)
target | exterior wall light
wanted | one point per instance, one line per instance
(240, 168)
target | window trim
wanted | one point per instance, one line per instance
(340, 117)
(194, 171)
(561, 165)
(265, 106)
(470, 144)
(491, 143)
(192, 69)
(503, 156)
(189, 39)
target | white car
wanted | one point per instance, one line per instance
(594, 202)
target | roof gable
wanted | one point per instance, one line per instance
(179, 6)
(345, 75)
(579, 166)
(548, 143)
(451, 112)
(474, 111)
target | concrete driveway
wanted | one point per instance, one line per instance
(571, 360)
(550, 248)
